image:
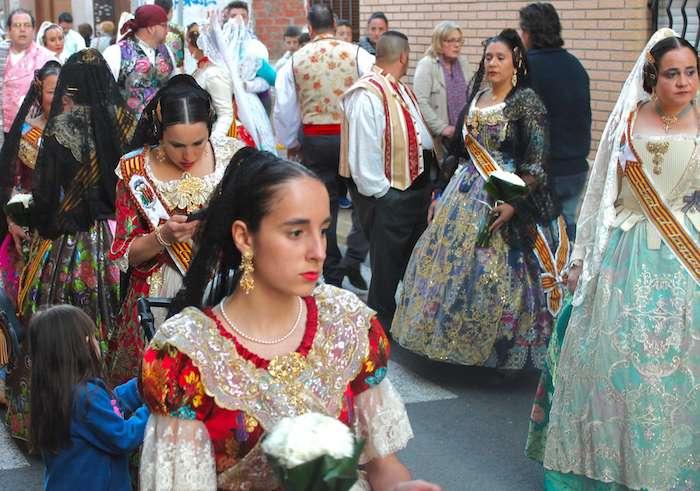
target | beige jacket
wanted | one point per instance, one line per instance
(430, 89)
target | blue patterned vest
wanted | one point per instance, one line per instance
(139, 80)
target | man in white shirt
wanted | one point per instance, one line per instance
(390, 166)
(140, 62)
(307, 91)
(72, 41)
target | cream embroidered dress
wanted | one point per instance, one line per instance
(158, 277)
(626, 407)
(212, 400)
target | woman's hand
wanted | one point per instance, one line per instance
(504, 212)
(178, 229)
(416, 486)
(573, 276)
(18, 235)
(431, 210)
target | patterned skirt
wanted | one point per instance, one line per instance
(470, 305)
(72, 269)
(625, 409)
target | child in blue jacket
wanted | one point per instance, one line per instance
(85, 431)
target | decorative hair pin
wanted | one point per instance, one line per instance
(650, 58)
(158, 115)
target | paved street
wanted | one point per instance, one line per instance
(470, 427)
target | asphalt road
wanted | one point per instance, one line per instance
(470, 426)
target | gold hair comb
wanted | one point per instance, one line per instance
(650, 58)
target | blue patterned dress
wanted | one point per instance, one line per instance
(483, 306)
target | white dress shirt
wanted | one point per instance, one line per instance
(286, 116)
(113, 56)
(366, 126)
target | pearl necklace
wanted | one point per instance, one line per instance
(257, 340)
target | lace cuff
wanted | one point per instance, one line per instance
(177, 455)
(381, 421)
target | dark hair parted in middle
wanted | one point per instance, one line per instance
(522, 69)
(541, 21)
(657, 52)
(180, 101)
(247, 193)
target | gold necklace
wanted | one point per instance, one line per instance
(671, 120)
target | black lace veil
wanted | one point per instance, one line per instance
(87, 132)
(30, 108)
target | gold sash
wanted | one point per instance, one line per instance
(657, 211)
(552, 264)
(147, 198)
(30, 271)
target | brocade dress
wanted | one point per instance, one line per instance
(625, 412)
(212, 400)
(157, 277)
(483, 306)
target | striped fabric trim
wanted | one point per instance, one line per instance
(552, 264)
(29, 273)
(657, 211)
(180, 252)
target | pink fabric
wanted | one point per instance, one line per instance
(9, 262)
(18, 78)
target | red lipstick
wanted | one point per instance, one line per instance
(310, 276)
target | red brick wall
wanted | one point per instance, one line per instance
(606, 35)
(271, 19)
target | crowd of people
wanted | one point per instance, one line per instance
(490, 244)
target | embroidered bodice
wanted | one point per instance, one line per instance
(672, 162)
(195, 370)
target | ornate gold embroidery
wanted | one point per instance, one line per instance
(286, 369)
(658, 150)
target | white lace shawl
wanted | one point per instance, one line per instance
(598, 209)
(224, 48)
(178, 455)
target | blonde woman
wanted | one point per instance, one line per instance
(441, 79)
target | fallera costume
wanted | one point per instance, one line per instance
(137, 189)
(212, 400)
(624, 414)
(484, 306)
(74, 192)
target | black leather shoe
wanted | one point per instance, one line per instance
(355, 278)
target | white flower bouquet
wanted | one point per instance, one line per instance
(18, 209)
(503, 187)
(313, 451)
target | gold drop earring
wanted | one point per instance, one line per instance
(514, 79)
(247, 282)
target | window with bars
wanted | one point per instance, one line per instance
(679, 16)
(345, 9)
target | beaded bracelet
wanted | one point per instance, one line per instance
(160, 239)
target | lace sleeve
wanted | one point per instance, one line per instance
(381, 421)
(177, 455)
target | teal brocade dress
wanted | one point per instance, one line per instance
(483, 306)
(626, 407)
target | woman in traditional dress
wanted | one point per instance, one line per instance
(17, 161)
(473, 305)
(50, 36)
(217, 82)
(177, 163)
(74, 192)
(625, 412)
(227, 368)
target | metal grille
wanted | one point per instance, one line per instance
(345, 9)
(679, 16)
